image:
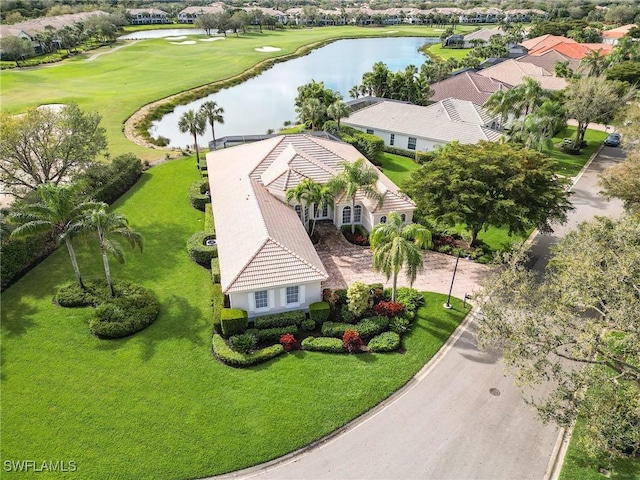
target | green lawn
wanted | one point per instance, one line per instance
(577, 466)
(120, 82)
(570, 165)
(436, 50)
(158, 405)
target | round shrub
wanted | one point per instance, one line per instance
(289, 342)
(131, 310)
(385, 342)
(198, 195)
(351, 341)
(399, 325)
(308, 325)
(243, 342)
(198, 251)
(323, 344)
(71, 295)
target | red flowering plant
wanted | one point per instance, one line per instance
(289, 342)
(389, 309)
(351, 341)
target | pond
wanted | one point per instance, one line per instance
(168, 32)
(266, 101)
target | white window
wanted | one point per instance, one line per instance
(357, 214)
(383, 219)
(261, 299)
(293, 295)
(346, 215)
(411, 144)
(392, 140)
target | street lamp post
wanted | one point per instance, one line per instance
(448, 305)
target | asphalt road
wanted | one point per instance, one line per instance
(461, 418)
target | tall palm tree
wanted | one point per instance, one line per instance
(212, 113)
(311, 112)
(106, 224)
(195, 124)
(320, 196)
(58, 211)
(594, 63)
(303, 193)
(396, 245)
(356, 177)
(338, 110)
(530, 95)
(354, 92)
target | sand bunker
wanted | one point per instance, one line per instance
(267, 49)
(211, 39)
(186, 42)
(55, 107)
(181, 37)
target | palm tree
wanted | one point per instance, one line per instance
(396, 245)
(212, 113)
(320, 196)
(195, 124)
(354, 92)
(105, 224)
(356, 177)
(58, 211)
(594, 63)
(311, 112)
(338, 110)
(530, 95)
(303, 193)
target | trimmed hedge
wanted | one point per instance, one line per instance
(226, 355)
(198, 196)
(198, 251)
(272, 334)
(233, 321)
(335, 329)
(323, 344)
(282, 319)
(108, 182)
(385, 342)
(209, 225)
(370, 327)
(319, 312)
(215, 270)
(21, 255)
(401, 151)
(308, 325)
(217, 302)
(400, 325)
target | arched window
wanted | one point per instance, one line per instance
(383, 219)
(357, 214)
(298, 210)
(346, 215)
(403, 217)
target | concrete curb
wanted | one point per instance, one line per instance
(256, 470)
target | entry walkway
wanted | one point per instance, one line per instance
(346, 263)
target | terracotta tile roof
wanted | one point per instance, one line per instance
(514, 72)
(444, 121)
(544, 40)
(467, 86)
(617, 32)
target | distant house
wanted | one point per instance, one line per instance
(279, 16)
(190, 14)
(612, 36)
(515, 50)
(549, 59)
(566, 46)
(513, 72)
(147, 16)
(412, 127)
(468, 86)
(267, 261)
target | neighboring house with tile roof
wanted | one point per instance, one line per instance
(548, 60)
(483, 34)
(513, 72)
(147, 16)
(467, 86)
(563, 45)
(190, 14)
(267, 261)
(412, 127)
(612, 36)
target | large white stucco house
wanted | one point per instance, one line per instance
(267, 261)
(413, 127)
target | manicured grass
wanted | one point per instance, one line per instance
(570, 165)
(120, 82)
(397, 167)
(577, 466)
(157, 405)
(437, 51)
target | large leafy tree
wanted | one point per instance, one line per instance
(194, 123)
(213, 114)
(490, 184)
(47, 145)
(578, 328)
(312, 102)
(396, 245)
(623, 181)
(59, 210)
(16, 48)
(594, 99)
(107, 224)
(356, 177)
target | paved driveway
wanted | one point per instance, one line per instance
(346, 262)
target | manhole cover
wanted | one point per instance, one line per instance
(495, 392)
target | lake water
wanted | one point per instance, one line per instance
(266, 101)
(169, 32)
